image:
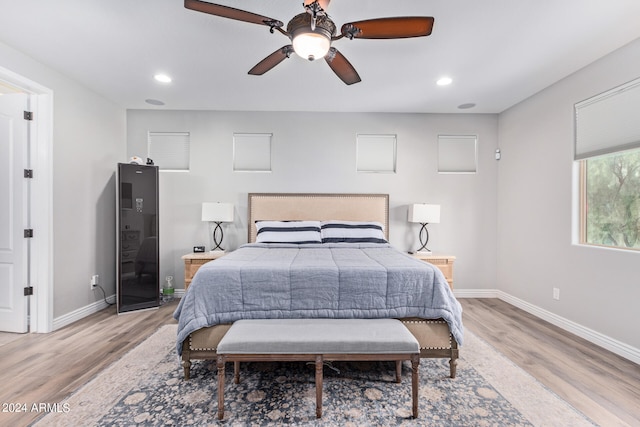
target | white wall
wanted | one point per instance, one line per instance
(316, 152)
(599, 288)
(88, 141)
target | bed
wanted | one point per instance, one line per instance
(323, 256)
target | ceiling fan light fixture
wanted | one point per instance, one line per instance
(311, 46)
(312, 32)
(310, 43)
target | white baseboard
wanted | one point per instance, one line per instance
(69, 318)
(475, 293)
(604, 341)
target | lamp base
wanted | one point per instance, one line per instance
(423, 252)
(217, 238)
(424, 239)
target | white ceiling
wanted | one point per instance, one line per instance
(498, 52)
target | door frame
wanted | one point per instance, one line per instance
(40, 135)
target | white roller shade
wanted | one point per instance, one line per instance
(169, 150)
(252, 152)
(376, 153)
(457, 153)
(608, 122)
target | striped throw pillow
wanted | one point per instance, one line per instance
(352, 232)
(299, 232)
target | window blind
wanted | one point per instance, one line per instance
(169, 150)
(608, 122)
(376, 153)
(252, 152)
(457, 153)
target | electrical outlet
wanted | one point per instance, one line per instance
(95, 281)
(556, 293)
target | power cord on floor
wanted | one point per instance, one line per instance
(104, 295)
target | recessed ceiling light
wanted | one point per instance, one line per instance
(444, 81)
(154, 101)
(162, 78)
(466, 106)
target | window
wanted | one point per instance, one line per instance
(376, 153)
(252, 152)
(169, 150)
(457, 153)
(607, 147)
(610, 200)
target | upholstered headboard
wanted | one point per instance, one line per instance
(321, 207)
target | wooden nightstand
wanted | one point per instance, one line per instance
(193, 261)
(443, 262)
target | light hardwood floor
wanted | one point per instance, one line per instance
(601, 384)
(46, 368)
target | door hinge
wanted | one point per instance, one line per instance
(28, 290)
(28, 115)
(28, 173)
(28, 233)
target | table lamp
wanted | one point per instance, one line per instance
(217, 213)
(424, 214)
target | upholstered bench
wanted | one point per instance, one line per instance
(317, 340)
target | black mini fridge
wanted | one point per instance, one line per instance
(137, 269)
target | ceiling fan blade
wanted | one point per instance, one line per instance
(272, 60)
(342, 67)
(389, 28)
(231, 13)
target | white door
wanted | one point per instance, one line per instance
(13, 212)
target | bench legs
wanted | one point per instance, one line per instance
(221, 362)
(415, 365)
(236, 372)
(319, 362)
(319, 367)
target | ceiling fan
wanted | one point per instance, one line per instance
(312, 32)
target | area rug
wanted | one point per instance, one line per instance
(146, 388)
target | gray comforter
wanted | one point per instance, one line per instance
(342, 280)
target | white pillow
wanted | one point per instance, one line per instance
(352, 232)
(299, 232)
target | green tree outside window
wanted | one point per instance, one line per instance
(612, 191)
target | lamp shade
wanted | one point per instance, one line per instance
(217, 212)
(424, 214)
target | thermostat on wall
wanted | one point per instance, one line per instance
(198, 249)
